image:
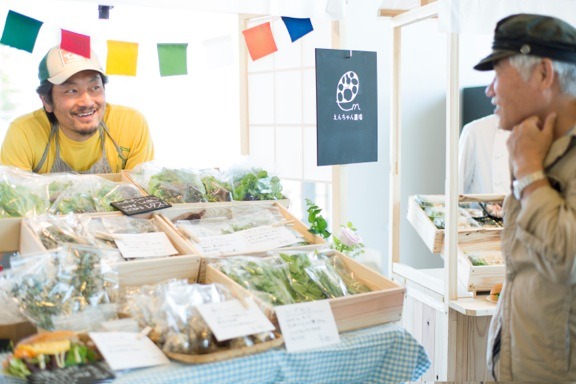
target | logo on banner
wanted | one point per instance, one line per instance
(347, 91)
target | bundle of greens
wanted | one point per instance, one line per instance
(217, 188)
(57, 230)
(265, 277)
(254, 184)
(63, 282)
(292, 277)
(22, 193)
(90, 194)
(177, 186)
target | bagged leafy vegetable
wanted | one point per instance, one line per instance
(253, 183)
(22, 193)
(91, 193)
(217, 188)
(267, 278)
(64, 282)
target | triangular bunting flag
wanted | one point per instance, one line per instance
(20, 31)
(172, 59)
(297, 27)
(260, 41)
(122, 58)
(75, 43)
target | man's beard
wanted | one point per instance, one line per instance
(87, 133)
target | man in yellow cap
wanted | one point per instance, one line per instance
(532, 335)
(77, 130)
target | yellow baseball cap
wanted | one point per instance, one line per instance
(59, 65)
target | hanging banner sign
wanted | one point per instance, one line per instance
(346, 106)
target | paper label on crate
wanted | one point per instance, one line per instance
(248, 240)
(307, 325)
(142, 245)
(233, 318)
(126, 350)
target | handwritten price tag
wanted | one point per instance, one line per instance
(307, 325)
(141, 204)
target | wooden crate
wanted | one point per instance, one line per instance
(479, 278)
(382, 305)
(185, 265)
(17, 331)
(434, 237)
(10, 226)
(169, 214)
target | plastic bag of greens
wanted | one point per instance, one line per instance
(91, 193)
(217, 188)
(253, 183)
(63, 282)
(22, 193)
(54, 230)
(266, 278)
(177, 186)
(305, 288)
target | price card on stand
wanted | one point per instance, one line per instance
(141, 204)
(140, 245)
(307, 325)
(233, 318)
(126, 350)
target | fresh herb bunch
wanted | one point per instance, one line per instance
(318, 225)
(177, 186)
(256, 184)
(216, 189)
(17, 200)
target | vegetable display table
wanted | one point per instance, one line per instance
(381, 354)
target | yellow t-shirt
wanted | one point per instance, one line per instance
(27, 136)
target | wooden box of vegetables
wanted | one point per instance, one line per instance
(480, 264)
(212, 185)
(26, 193)
(479, 218)
(216, 230)
(359, 296)
(45, 232)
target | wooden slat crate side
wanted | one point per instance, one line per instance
(135, 272)
(10, 234)
(429, 233)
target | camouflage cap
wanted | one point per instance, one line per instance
(536, 35)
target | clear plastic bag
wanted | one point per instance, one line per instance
(63, 282)
(22, 193)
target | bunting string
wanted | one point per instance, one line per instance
(21, 32)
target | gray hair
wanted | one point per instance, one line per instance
(566, 72)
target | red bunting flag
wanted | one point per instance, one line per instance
(75, 43)
(260, 41)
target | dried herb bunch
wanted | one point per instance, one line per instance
(63, 282)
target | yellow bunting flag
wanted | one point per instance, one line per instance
(122, 58)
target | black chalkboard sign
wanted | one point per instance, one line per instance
(346, 106)
(142, 204)
(77, 374)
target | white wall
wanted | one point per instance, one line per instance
(424, 78)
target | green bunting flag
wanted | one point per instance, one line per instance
(172, 59)
(20, 31)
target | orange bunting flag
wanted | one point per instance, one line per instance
(75, 43)
(260, 41)
(122, 58)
